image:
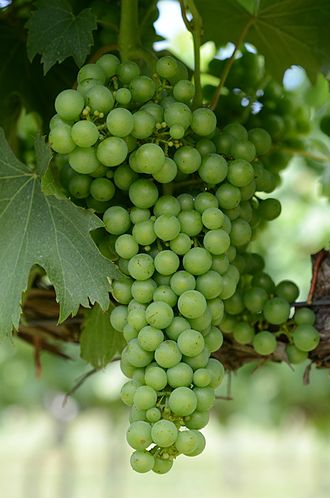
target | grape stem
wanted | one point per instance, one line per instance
(128, 29)
(215, 100)
(303, 153)
(195, 26)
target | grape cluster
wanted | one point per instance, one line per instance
(178, 200)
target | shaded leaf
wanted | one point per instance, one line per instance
(99, 341)
(53, 233)
(286, 32)
(64, 36)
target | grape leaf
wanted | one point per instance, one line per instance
(99, 341)
(53, 233)
(56, 33)
(286, 32)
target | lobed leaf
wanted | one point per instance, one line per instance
(56, 33)
(50, 232)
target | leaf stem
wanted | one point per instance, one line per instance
(128, 38)
(195, 26)
(215, 100)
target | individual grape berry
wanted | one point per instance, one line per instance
(203, 122)
(287, 290)
(306, 337)
(304, 315)
(69, 105)
(164, 433)
(295, 355)
(139, 435)
(142, 461)
(276, 310)
(264, 342)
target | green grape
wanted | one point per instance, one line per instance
(205, 200)
(167, 227)
(136, 414)
(168, 171)
(155, 377)
(205, 146)
(91, 71)
(190, 342)
(137, 356)
(118, 317)
(228, 196)
(180, 375)
(261, 140)
(243, 333)
(120, 122)
(142, 290)
(269, 209)
(167, 67)
(116, 220)
(187, 159)
(287, 290)
(123, 96)
(121, 290)
(144, 233)
(144, 125)
(102, 189)
(153, 414)
(145, 397)
(159, 314)
(79, 186)
(164, 433)
(141, 266)
(184, 91)
(127, 71)
(200, 443)
(264, 342)
(304, 316)
(216, 241)
(182, 401)
(128, 391)
(142, 461)
(69, 105)
(166, 262)
(276, 310)
(150, 338)
(86, 85)
(165, 294)
(191, 304)
(178, 325)
(84, 133)
(213, 169)
(124, 176)
(306, 337)
(167, 204)
(203, 122)
(237, 131)
(83, 160)
(162, 466)
(177, 131)
(190, 222)
(186, 442)
(138, 215)
(212, 218)
(209, 284)
(198, 361)
(99, 98)
(182, 281)
(264, 281)
(214, 339)
(150, 158)
(295, 355)
(112, 151)
(203, 322)
(168, 354)
(205, 398)
(156, 111)
(240, 172)
(129, 332)
(181, 244)
(142, 89)
(143, 193)
(243, 150)
(109, 63)
(178, 113)
(126, 247)
(220, 263)
(139, 435)
(197, 261)
(60, 139)
(241, 232)
(197, 420)
(216, 371)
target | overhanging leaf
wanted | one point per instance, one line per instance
(56, 33)
(286, 32)
(99, 341)
(53, 233)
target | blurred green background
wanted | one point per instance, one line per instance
(271, 440)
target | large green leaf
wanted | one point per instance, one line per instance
(99, 341)
(56, 33)
(53, 233)
(286, 32)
